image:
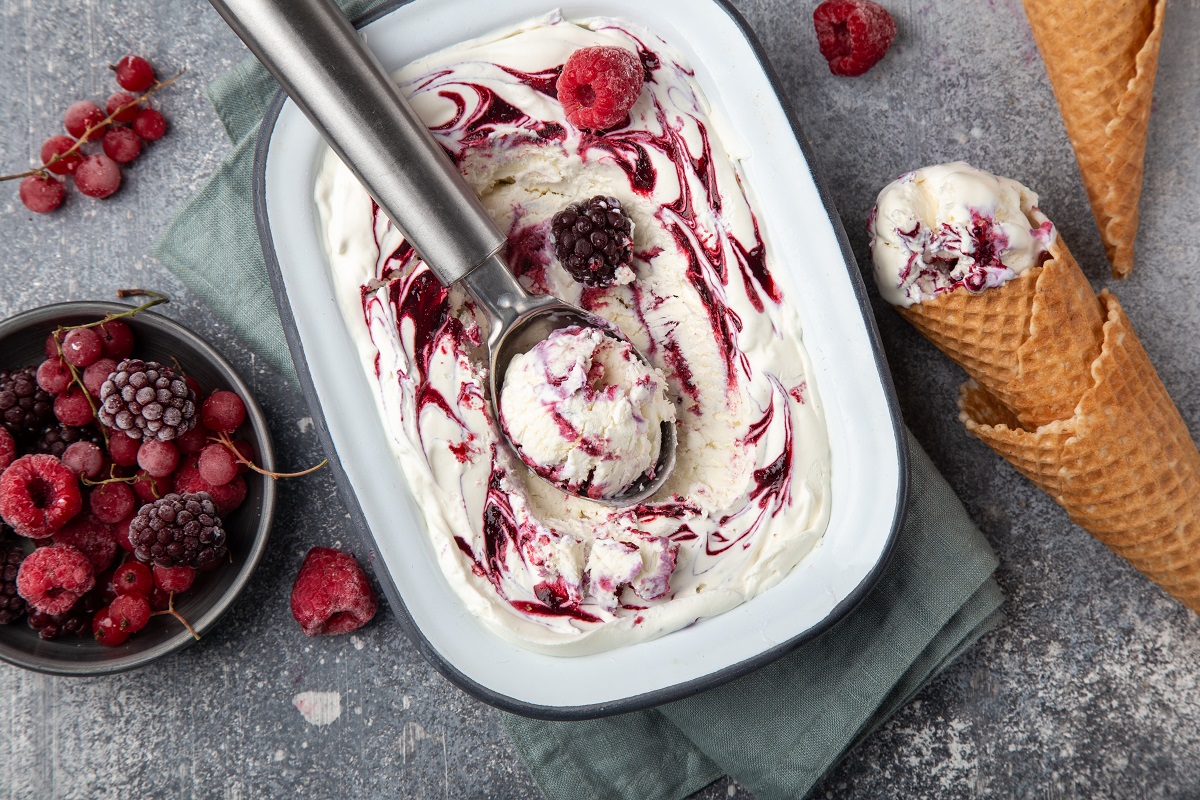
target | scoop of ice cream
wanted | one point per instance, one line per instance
(585, 411)
(953, 225)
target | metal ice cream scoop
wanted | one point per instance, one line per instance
(319, 59)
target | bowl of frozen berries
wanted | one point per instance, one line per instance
(135, 486)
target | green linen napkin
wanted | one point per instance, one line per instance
(776, 731)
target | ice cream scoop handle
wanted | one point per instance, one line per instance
(322, 63)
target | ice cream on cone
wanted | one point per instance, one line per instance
(1061, 386)
(1102, 57)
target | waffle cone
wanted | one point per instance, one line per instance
(1030, 343)
(1123, 465)
(1102, 57)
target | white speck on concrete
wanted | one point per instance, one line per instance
(406, 700)
(358, 643)
(304, 423)
(319, 708)
(280, 755)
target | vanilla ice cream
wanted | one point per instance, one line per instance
(953, 225)
(749, 497)
(585, 411)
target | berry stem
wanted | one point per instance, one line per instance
(171, 610)
(223, 438)
(42, 170)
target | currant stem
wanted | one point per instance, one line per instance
(223, 438)
(73, 149)
(170, 609)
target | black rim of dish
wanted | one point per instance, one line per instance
(363, 531)
(266, 457)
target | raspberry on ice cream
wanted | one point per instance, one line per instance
(951, 225)
(332, 593)
(52, 578)
(585, 412)
(599, 85)
(38, 495)
(853, 34)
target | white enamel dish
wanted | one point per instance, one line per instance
(869, 460)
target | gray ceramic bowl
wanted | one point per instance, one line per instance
(22, 339)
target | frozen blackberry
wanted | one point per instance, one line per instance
(12, 605)
(593, 239)
(56, 438)
(75, 622)
(24, 406)
(147, 400)
(178, 531)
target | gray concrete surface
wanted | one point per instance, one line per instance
(1091, 690)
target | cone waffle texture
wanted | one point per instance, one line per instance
(1102, 58)
(1030, 343)
(1124, 466)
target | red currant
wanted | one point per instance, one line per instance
(53, 375)
(134, 73)
(174, 579)
(111, 502)
(85, 459)
(96, 374)
(98, 176)
(217, 464)
(42, 194)
(119, 100)
(81, 347)
(123, 449)
(131, 612)
(150, 125)
(57, 145)
(223, 412)
(133, 577)
(122, 145)
(106, 630)
(116, 339)
(82, 116)
(158, 458)
(72, 408)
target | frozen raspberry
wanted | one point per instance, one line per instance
(122, 145)
(55, 439)
(149, 488)
(57, 145)
(130, 611)
(217, 464)
(53, 375)
(52, 578)
(81, 116)
(98, 176)
(118, 100)
(599, 85)
(853, 34)
(38, 495)
(133, 577)
(123, 449)
(12, 605)
(24, 406)
(150, 125)
(81, 347)
(96, 374)
(178, 531)
(332, 593)
(134, 73)
(8, 448)
(147, 400)
(111, 502)
(73, 408)
(84, 459)
(593, 239)
(174, 579)
(93, 538)
(116, 339)
(227, 497)
(42, 194)
(223, 412)
(106, 631)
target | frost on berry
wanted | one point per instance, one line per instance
(38, 495)
(81, 116)
(121, 100)
(42, 194)
(72, 408)
(853, 35)
(96, 374)
(8, 448)
(174, 579)
(598, 86)
(228, 497)
(106, 631)
(85, 459)
(53, 375)
(130, 612)
(52, 578)
(133, 577)
(123, 449)
(332, 593)
(223, 412)
(98, 176)
(111, 502)
(93, 538)
(217, 464)
(134, 73)
(55, 146)
(81, 347)
(116, 339)
(122, 145)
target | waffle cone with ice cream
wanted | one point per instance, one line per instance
(1102, 58)
(1060, 384)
